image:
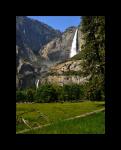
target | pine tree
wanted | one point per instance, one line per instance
(93, 51)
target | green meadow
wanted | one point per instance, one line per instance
(30, 116)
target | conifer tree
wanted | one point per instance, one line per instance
(93, 52)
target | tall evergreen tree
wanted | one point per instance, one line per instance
(93, 51)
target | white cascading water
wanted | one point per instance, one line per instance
(20, 65)
(37, 83)
(74, 45)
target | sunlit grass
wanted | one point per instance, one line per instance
(43, 113)
(93, 124)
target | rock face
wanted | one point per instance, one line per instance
(66, 67)
(61, 80)
(42, 53)
(66, 73)
(33, 34)
(58, 49)
(28, 73)
(25, 74)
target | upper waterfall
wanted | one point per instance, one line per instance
(73, 50)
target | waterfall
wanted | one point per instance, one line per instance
(74, 45)
(20, 65)
(37, 83)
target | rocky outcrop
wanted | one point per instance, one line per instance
(66, 73)
(25, 75)
(58, 49)
(61, 80)
(66, 67)
(25, 54)
(28, 73)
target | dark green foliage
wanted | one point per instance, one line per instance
(93, 52)
(30, 94)
(20, 96)
(71, 92)
(46, 93)
(52, 93)
(93, 29)
(95, 89)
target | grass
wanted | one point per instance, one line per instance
(40, 114)
(93, 124)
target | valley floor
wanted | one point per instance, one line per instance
(53, 118)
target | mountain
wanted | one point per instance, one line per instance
(52, 62)
(38, 48)
(33, 34)
(58, 49)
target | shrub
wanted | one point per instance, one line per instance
(94, 90)
(71, 92)
(20, 96)
(30, 95)
(46, 93)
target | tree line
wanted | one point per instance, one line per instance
(47, 93)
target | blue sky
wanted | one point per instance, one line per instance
(58, 22)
